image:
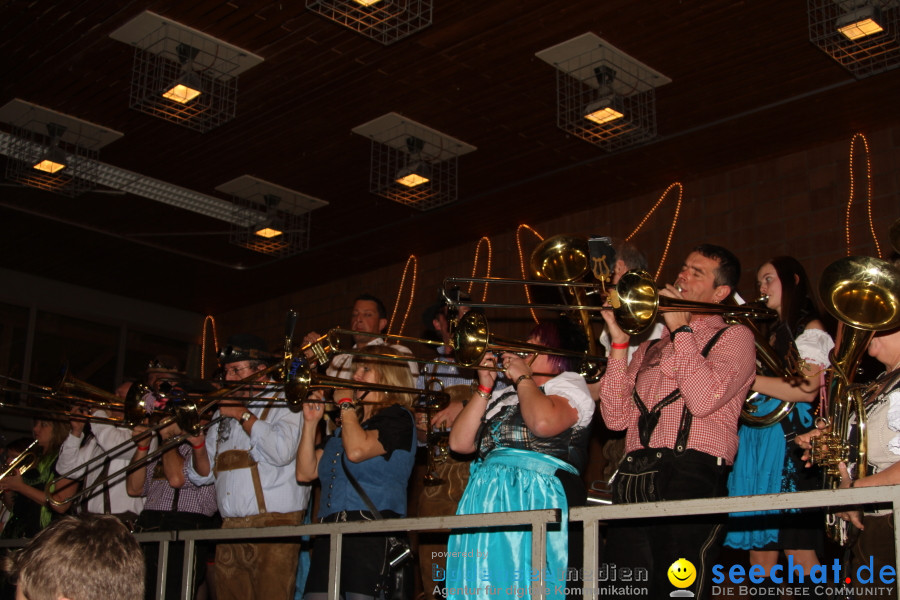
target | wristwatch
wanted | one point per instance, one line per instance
(684, 328)
(245, 416)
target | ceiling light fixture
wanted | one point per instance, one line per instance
(860, 22)
(54, 160)
(188, 86)
(268, 218)
(608, 107)
(417, 171)
(603, 96)
(602, 111)
(50, 150)
(863, 36)
(183, 75)
(411, 163)
(267, 230)
(271, 227)
(384, 22)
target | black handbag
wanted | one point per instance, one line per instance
(396, 572)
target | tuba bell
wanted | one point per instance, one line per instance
(863, 294)
(567, 259)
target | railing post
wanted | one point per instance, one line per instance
(161, 568)
(539, 556)
(336, 542)
(590, 556)
(188, 568)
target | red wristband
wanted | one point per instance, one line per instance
(198, 446)
(143, 448)
(486, 390)
(621, 346)
(344, 401)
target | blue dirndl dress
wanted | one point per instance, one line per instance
(763, 466)
(518, 471)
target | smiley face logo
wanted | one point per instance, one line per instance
(682, 573)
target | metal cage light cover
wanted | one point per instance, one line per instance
(411, 163)
(268, 218)
(863, 36)
(603, 95)
(182, 75)
(384, 21)
(52, 151)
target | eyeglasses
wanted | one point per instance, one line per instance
(160, 365)
(236, 370)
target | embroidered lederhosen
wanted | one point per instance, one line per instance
(241, 459)
(637, 477)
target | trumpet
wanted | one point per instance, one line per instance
(24, 461)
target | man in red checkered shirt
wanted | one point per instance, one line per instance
(679, 401)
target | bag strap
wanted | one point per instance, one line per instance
(362, 493)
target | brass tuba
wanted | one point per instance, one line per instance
(768, 357)
(863, 294)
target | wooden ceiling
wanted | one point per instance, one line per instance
(746, 84)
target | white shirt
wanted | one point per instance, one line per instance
(570, 386)
(273, 445)
(73, 456)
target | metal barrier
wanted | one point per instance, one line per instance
(537, 520)
(592, 515)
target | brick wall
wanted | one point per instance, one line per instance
(793, 204)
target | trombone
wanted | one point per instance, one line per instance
(24, 461)
(635, 301)
(472, 338)
(305, 380)
(89, 490)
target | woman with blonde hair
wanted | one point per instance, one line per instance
(376, 446)
(31, 512)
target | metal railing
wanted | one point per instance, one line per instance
(537, 521)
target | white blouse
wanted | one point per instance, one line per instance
(814, 345)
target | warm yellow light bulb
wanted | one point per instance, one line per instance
(604, 115)
(412, 180)
(48, 166)
(367, 2)
(860, 29)
(268, 232)
(181, 93)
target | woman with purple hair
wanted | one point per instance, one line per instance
(531, 443)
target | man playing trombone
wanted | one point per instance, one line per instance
(679, 401)
(112, 498)
(251, 457)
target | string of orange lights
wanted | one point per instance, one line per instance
(410, 262)
(868, 174)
